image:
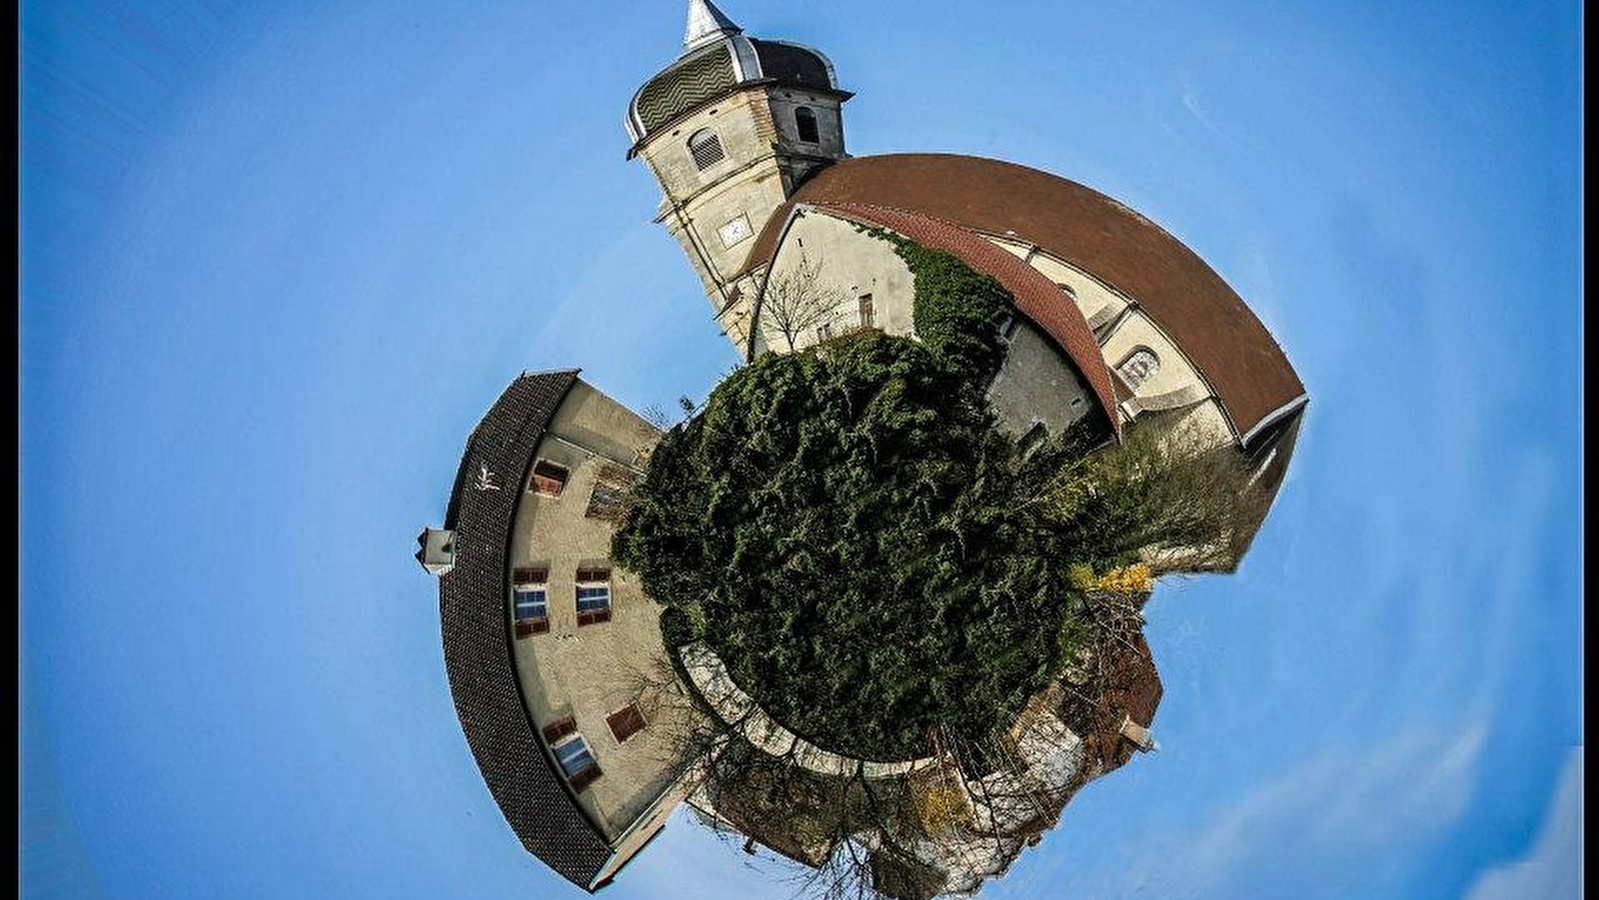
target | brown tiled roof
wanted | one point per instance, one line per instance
(1037, 297)
(1133, 690)
(1232, 350)
(477, 643)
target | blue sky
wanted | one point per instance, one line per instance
(278, 259)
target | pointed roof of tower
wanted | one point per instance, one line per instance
(706, 23)
(718, 60)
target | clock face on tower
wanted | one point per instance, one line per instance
(735, 230)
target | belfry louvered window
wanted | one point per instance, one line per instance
(805, 124)
(706, 148)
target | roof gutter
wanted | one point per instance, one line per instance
(1275, 416)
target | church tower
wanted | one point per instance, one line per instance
(730, 129)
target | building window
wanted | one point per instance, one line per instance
(805, 123)
(706, 148)
(530, 605)
(593, 596)
(1139, 366)
(625, 722)
(572, 753)
(548, 478)
(866, 310)
(558, 729)
(824, 332)
(606, 502)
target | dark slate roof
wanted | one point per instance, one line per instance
(793, 64)
(477, 641)
(706, 73)
(1232, 349)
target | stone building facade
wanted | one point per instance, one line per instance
(549, 646)
(553, 653)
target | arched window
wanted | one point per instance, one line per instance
(706, 148)
(1139, 366)
(805, 123)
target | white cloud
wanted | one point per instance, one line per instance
(1321, 823)
(1552, 870)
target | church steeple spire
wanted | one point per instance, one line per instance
(706, 23)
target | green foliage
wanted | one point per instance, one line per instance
(870, 557)
(1150, 491)
(843, 528)
(677, 628)
(957, 309)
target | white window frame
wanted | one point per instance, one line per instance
(1153, 369)
(578, 598)
(575, 737)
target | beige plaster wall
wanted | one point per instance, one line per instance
(1122, 328)
(1176, 384)
(852, 264)
(749, 181)
(591, 671)
(743, 123)
(1098, 302)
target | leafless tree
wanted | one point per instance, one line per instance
(797, 300)
(1182, 505)
(656, 416)
(945, 826)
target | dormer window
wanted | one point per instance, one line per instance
(805, 124)
(1139, 366)
(706, 148)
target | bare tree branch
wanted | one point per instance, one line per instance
(797, 300)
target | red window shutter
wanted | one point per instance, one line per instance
(584, 778)
(548, 478)
(625, 722)
(530, 575)
(558, 729)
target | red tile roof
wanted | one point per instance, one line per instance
(1234, 353)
